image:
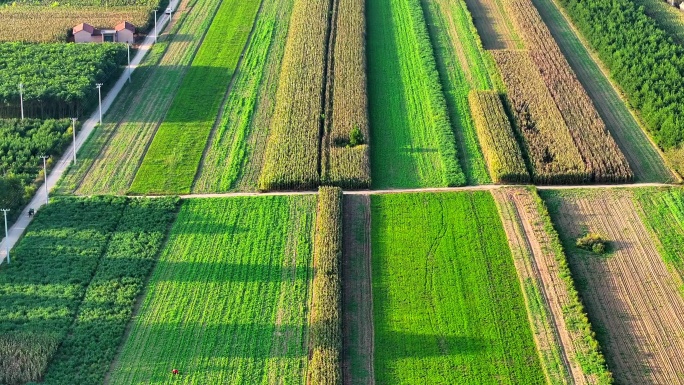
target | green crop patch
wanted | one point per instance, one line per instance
(227, 302)
(448, 307)
(171, 162)
(412, 141)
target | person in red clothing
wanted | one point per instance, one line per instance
(174, 371)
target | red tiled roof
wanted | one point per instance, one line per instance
(86, 27)
(125, 25)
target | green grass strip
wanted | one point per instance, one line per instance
(172, 160)
(412, 141)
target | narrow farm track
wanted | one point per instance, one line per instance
(630, 294)
(357, 296)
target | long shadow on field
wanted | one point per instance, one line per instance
(229, 272)
(411, 345)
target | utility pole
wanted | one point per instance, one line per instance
(129, 62)
(6, 235)
(155, 25)
(73, 129)
(21, 99)
(47, 199)
(99, 97)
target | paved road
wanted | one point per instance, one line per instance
(87, 128)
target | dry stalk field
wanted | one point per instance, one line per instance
(493, 24)
(343, 163)
(563, 333)
(604, 160)
(546, 138)
(292, 158)
(499, 145)
(630, 294)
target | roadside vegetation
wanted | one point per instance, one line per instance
(22, 142)
(446, 294)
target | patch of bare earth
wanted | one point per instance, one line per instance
(496, 31)
(630, 292)
(357, 299)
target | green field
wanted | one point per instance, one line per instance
(663, 213)
(109, 159)
(171, 162)
(448, 307)
(233, 157)
(227, 302)
(643, 158)
(412, 142)
(461, 68)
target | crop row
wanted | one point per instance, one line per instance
(42, 288)
(499, 145)
(459, 58)
(171, 162)
(642, 59)
(293, 151)
(604, 160)
(86, 353)
(546, 139)
(345, 160)
(227, 302)
(325, 335)
(58, 79)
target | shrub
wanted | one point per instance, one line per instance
(592, 242)
(355, 136)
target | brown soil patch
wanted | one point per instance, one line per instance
(491, 22)
(357, 298)
(629, 294)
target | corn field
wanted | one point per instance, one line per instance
(325, 335)
(497, 140)
(603, 159)
(292, 153)
(545, 136)
(24, 357)
(343, 163)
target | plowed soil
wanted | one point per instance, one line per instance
(630, 296)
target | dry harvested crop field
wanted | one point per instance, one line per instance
(631, 296)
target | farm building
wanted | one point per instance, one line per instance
(122, 33)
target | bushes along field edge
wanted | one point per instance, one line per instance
(325, 336)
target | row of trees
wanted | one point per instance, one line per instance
(643, 60)
(58, 79)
